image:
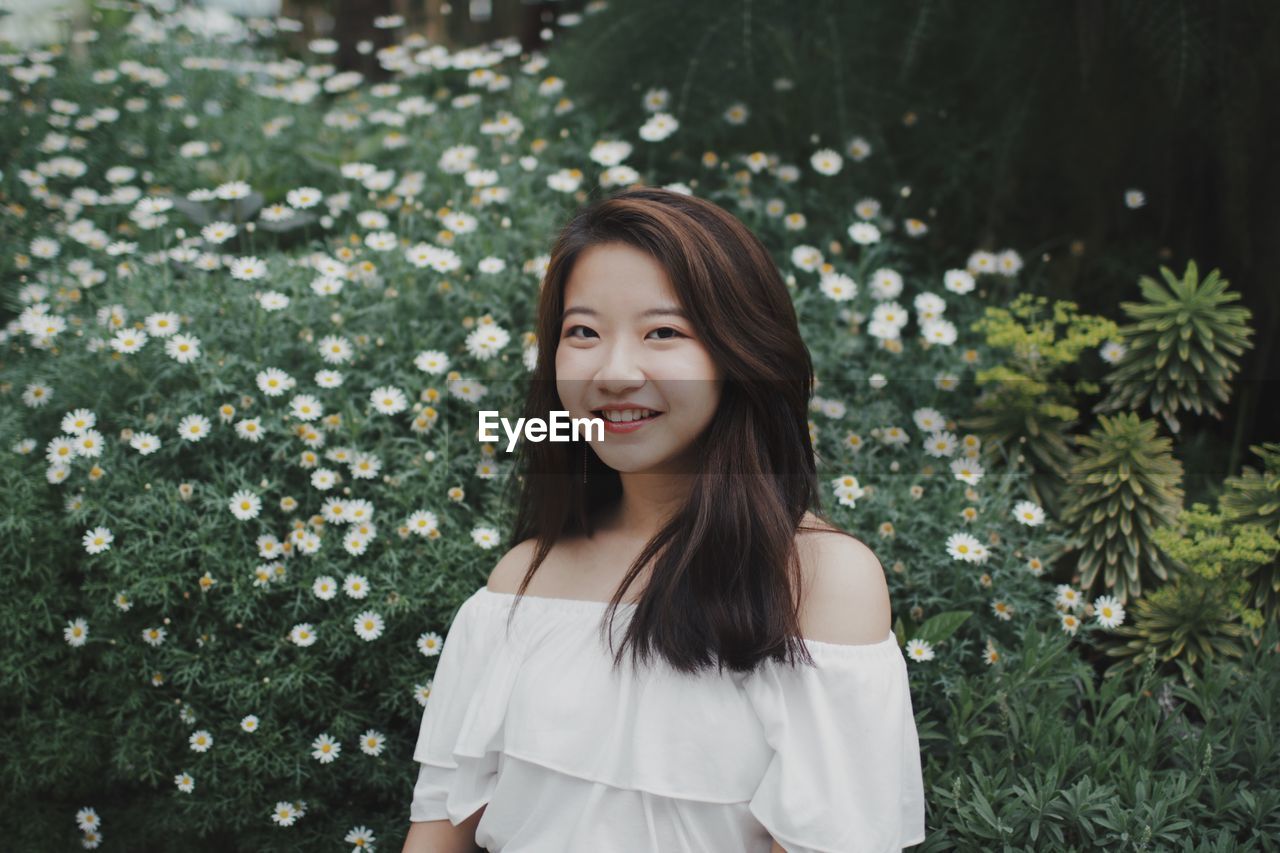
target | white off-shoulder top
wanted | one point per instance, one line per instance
(572, 755)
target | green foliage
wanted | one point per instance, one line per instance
(1254, 498)
(1028, 406)
(1122, 488)
(1203, 611)
(1040, 755)
(1180, 351)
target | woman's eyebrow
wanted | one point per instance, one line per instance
(665, 311)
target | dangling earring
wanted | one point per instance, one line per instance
(584, 463)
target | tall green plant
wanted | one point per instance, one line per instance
(1204, 611)
(1123, 487)
(1254, 497)
(1180, 351)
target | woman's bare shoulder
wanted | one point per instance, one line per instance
(846, 596)
(511, 568)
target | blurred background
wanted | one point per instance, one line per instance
(1030, 124)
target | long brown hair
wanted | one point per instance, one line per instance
(726, 577)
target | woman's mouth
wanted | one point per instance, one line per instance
(625, 426)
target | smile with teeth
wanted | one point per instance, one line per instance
(627, 415)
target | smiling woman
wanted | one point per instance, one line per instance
(765, 704)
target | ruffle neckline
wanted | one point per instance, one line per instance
(594, 606)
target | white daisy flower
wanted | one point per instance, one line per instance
(194, 427)
(1028, 513)
(302, 634)
(838, 287)
(1112, 351)
(919, 650)
(273, 301)
(88, 443)
(145, 443)
(184, 782)
(368, 625)
(361, 837)
(97, 540)
(153, 636)
(323, 479)
(335, 349)
(162, 324)
(328, 378)
(87, 819)
(285, 814)
(940, 443)
(967, 470)
(249, 429)
(76, 422)
(324, 587)
(864, 233)
(958, 281)
(962, 546)
(249, 723)
(60, 450)
(1108, 611)
(245, 505)
(1067, 596)
(355, 543)
(430, 644)
(356, 586)
(431, 361)
(127, 341)
(36, 395)
(372, 742)
(273, 382)
(807, 258)
(183, 349)
(303, 197)
(485, 537)
(826, 162)
(658, 127)
(200, 741)
(388, 400)
(76, 633)
(325, 749)
(487, 340)
(1069, 623)
(248, 269)
(422, 522)
(305, 407)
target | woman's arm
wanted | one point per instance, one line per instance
(441, 836)
(776, 848)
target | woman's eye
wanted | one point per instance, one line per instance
(569, 333)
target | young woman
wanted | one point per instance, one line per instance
(764, 705)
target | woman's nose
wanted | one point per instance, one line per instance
(622, 363)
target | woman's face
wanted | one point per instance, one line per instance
(624, 340)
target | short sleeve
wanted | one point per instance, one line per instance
(845, 774)
(461, 673)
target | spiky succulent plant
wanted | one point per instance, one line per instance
(1254, 498)
(1123, 486)
(1202, 612)
(1179, 352)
